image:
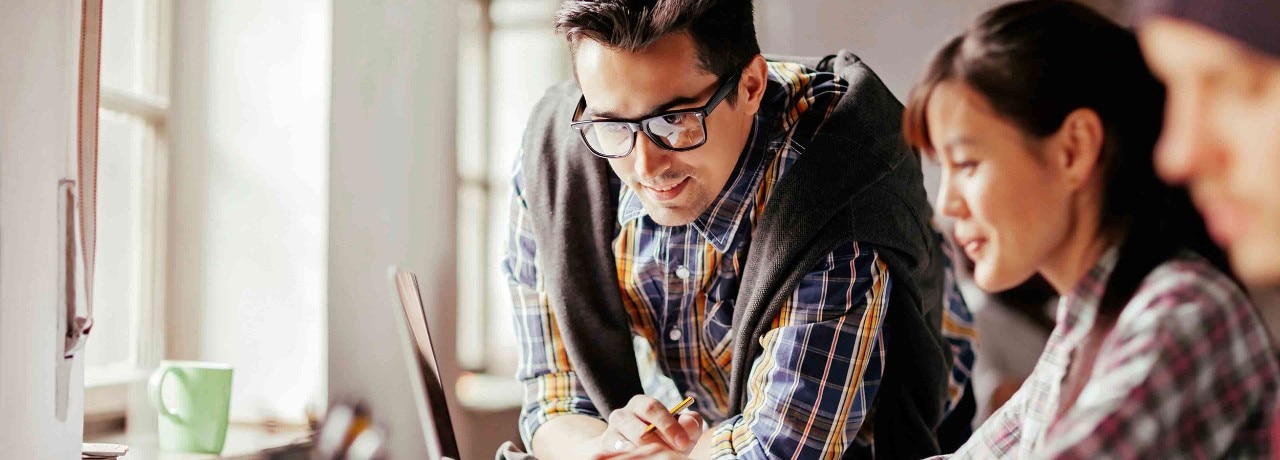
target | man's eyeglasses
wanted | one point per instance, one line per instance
(677, 130)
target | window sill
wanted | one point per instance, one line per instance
(489, 392)
(107, 392)
(114, 375)
(244, 440)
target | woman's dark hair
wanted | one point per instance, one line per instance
(1037, 61)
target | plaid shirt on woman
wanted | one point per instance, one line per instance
(1186, 372)
(811, 389)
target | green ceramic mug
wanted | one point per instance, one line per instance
(194, 419)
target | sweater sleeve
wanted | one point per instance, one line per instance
(551, 387)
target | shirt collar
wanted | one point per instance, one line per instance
(1078, 310)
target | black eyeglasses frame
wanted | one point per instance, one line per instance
(726, 86)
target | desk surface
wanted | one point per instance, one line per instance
(243, 441)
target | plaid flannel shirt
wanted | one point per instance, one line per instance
(1186, 372)
(810, 390)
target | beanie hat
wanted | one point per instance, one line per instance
(1255, 23)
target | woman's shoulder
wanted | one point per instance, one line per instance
(1193, 279)
(1188, 295)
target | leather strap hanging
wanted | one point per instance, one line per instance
(80, 323)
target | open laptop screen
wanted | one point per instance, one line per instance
(416, 314)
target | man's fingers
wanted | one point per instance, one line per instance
(628, 426)
(665, 425)
(691, 422)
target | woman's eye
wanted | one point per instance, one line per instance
(964, 165)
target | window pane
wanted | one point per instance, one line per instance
(503, 347)
(494, 106)
(472, 91)
(473, 266)
(124, 36)
(122, 142)
(512, 96)
(540, 52)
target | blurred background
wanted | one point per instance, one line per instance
(258, 159)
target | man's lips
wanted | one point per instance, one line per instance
(666, 192)
(1224, 220)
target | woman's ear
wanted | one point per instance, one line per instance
(1079, 141)
(755, 78)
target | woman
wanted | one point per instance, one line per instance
(1044, 117)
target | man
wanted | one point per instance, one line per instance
(761, 225)
(1221, 62)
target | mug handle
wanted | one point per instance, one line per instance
(154, 386)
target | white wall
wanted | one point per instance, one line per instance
(248, 197)
(37, 96)
(392, 198)
(894, 37)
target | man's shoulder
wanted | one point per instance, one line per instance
(863, 111)
(561, 94)
(859, 135)
(857, 173)
(556, 105)
(847, 66)
(547, 131)
(865, 95)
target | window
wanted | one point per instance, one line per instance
(494, 101)
(126, 339)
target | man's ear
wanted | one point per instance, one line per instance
(1079, 146)
(755, 78)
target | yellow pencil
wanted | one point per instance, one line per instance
(679, 407)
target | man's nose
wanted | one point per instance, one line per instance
(651, 160)
(1188, 144)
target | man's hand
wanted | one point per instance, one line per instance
(651, 451)
(627, 427)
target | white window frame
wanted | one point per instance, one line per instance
(474, 189)
(478, 148)
(107, 387)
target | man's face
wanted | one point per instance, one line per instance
(675, 187)
(1222, 138)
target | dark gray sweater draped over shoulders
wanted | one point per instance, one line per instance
(857, 181)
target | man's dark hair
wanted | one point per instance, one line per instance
(723, 30)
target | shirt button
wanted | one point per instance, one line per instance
(674, 335)
(682, 272)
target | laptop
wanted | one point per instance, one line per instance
(439, 427)
(387, 405)
(398, 412)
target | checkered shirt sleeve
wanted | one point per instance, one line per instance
(821, 364)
